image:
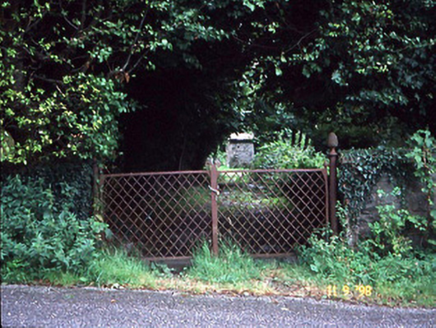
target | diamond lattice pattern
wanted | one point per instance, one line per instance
(168, 215)
(271, 212)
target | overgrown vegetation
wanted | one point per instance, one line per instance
(423, 154)
(231, 265)
(114, 266)
(387, 258)
(70, 70)
(43, 240)
(234, 272)
(360, 170)
(289, 151)
(268, 64)
(40, 234)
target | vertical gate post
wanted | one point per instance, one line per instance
(332, 143)
(214, 195)
(96, 188)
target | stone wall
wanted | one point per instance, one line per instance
(415, 201)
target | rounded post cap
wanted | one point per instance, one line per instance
(332, 141)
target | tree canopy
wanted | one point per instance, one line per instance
(171, 79)
(365, 69)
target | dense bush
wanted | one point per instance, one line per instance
(74, 176)
(288, 153)
(41, 234)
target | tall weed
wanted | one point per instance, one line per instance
(289, 153)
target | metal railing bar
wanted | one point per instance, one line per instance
(115, 175)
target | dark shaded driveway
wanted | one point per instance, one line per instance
(24, 306)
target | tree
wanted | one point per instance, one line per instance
(64, 65)
(70, 68)
(362, 67)
(55, 100)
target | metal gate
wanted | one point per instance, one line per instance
(168, 214)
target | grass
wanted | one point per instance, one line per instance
(230, 266)
(235, 273)
(113, 267)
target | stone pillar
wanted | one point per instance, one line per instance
(240, 150)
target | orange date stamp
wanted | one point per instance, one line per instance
(360, 290)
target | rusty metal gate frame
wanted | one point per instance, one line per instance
(214, 174)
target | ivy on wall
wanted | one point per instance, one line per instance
(361, 169)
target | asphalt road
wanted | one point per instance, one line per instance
(24, 306)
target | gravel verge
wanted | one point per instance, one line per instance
(38, 306)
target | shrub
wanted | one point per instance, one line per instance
(289, 153)
(334, 260)
(389, 232)
(423, 154)
(40, 234)
(386, 255)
